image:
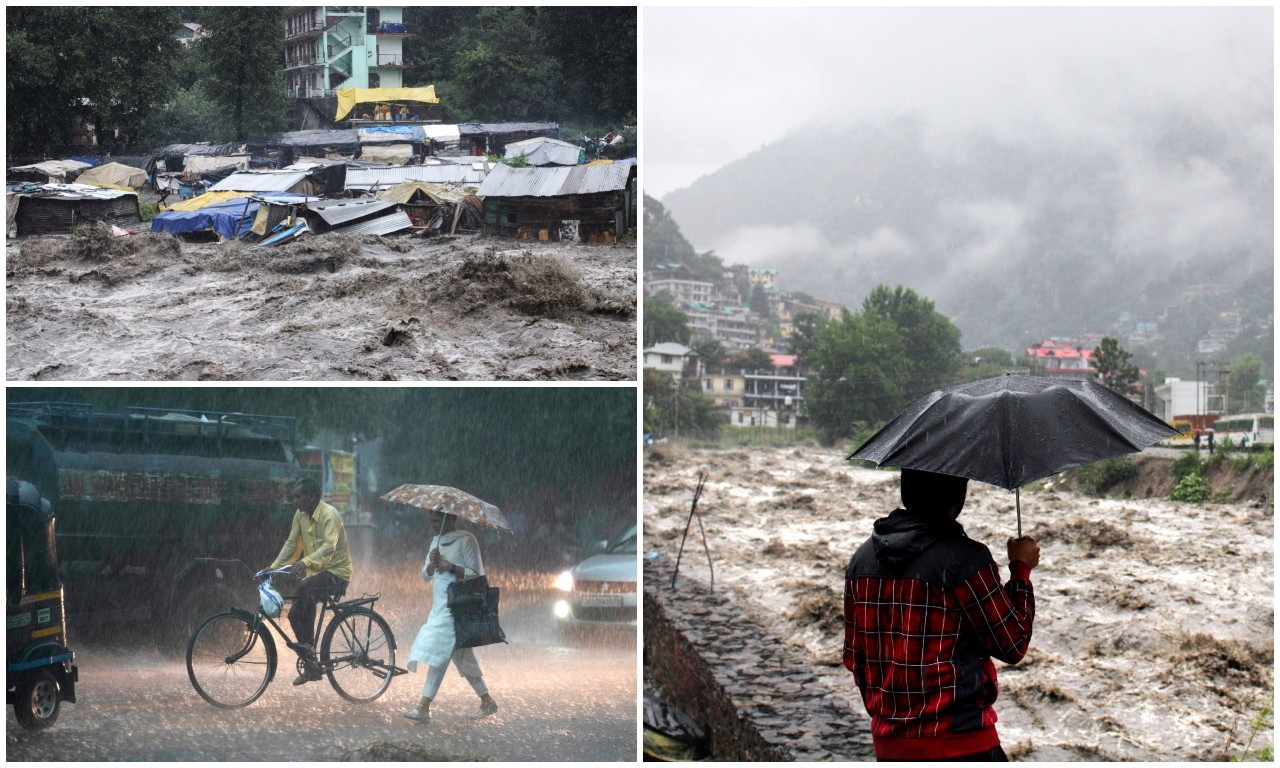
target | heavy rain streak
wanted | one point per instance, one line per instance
(168, 501)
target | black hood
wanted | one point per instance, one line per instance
(901, 537)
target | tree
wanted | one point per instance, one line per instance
(1245, 391)
(243, 67)
(986, 363)
(110, 66)
(755, 359)
(930, 342)
(504, 70)
(860, 373)
(1114, 369)
(669, 407)
(712, 354)
(759, 300)
(663, 321)
(806, 327)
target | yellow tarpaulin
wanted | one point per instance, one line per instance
(208, 198)
(403, 192)
(350, 97)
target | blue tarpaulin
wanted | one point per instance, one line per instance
(220, 217)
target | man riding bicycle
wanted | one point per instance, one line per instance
(317, 547)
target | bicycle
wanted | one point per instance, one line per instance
(231, 657)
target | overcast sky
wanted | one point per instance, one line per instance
(722, 82)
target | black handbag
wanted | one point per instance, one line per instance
(474, 605)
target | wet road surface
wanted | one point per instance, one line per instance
(557, 702)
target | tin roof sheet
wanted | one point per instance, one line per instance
(337, 212)
(74, 192)
(477, 128)
(544, 151)
(382, 178)
(260, 181)
(383, 225)
(505, 181)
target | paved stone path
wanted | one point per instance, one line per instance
(775, 693)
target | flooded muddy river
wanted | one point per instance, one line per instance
(1154, 626)
(557, 701)
(92, 307)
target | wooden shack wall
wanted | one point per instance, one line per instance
(599, 217)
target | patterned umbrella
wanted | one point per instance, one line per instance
(450, 501)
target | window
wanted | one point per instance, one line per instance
(708, 385)
(728, 385)
(666, 359)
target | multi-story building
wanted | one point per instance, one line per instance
(734, 327)
(333, 47)
(1062, 360)
(680, 282)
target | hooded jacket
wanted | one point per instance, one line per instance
(924, 614)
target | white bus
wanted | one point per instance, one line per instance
(1251, 431)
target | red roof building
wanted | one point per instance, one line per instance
(1063, 360)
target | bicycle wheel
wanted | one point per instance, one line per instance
(229, 662)
(359, 653)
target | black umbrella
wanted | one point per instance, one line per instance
(1013, 430)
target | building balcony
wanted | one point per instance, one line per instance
(343, 9)
(310, 93)
(389, 28)
(392, 60)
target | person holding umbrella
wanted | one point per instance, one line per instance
(454, 555)
(925, 611)
(924, 615)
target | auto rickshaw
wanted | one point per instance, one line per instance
(40, 674)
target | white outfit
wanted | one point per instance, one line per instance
(434, 643)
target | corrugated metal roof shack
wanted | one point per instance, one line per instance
(585, 203)
(60, 208)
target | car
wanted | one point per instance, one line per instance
(600, 592)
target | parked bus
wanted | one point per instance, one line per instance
(1250, 431)
(1185, 437)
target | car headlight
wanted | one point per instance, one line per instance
(565, 581)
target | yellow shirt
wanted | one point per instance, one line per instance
(320, 540)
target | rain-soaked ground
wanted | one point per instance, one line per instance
(557, 701)
(91, 307)
(1154, 624)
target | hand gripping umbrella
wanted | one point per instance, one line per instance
(450, 501)
(1012, 430)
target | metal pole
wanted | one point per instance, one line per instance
(702, 478)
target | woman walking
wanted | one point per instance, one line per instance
(454, 555)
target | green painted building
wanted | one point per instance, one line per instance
(335, 47)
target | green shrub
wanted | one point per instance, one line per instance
(1099, 476)
(1188, 463)
(1193, 488)
(148, 211)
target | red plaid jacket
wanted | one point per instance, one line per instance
(924, 614)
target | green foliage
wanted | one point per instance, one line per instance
(1245, 391)
(1191, 488)
(670, 408)
(110, 67)
(759, 300)
(514, 63)
(243, 75)
(1113, 366)
(806, 328)
(754, 360)
(986, 363)
(1188, 463)
(1096, 478)
(664, 244)
(663, 321)
(712, 354)
(1259, 722)
(871, 364)
(148, 211)
(190, 116)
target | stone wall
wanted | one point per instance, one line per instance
(756, 698)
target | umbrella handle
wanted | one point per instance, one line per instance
(1017, 496)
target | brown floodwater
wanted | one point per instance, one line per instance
(93, 307)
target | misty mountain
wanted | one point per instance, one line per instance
(1013, 237)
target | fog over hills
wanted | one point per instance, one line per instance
(1012, 236)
